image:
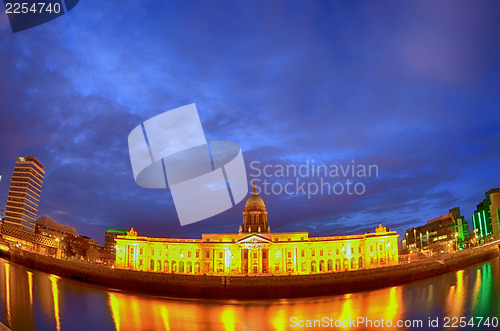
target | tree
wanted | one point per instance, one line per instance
(75, 246)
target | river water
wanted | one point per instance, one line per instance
(33, 300)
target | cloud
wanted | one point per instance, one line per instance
(405, 86)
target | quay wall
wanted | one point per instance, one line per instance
(251, 287)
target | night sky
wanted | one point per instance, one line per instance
(412, 87)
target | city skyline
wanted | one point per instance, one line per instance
(409, 88)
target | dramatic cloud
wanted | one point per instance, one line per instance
(411, 87)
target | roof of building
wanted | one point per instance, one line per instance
(50, 223)
(116, 231)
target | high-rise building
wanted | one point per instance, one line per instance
(486, 218)
(24, 193)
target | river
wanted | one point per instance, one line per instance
(33, 300)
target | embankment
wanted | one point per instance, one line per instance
(251, 287)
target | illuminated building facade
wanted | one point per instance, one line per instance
(255, 250)
(486, 218)
(446, 232)
(24, 193)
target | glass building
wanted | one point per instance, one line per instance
(487, 215)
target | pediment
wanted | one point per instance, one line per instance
(253, 239)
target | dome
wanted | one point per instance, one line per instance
(254, 215)
(255, 199)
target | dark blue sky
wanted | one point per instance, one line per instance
(412, 87)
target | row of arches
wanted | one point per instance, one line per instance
(345, 264)
(174, 267)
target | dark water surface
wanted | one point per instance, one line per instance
(33, 300)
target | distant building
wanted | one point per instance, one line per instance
(446, 232)
(91, 242)
(24, 193)
(460, 228)
(46, 226)
(109, 240)
(486, 218)
(255, 250)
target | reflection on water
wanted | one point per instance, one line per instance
(34, 300)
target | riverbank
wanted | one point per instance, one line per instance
(251, 287)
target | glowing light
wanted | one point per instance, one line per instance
(30, 286)
(228, 318)
(115, 310)
(55, 294)
(7, 295)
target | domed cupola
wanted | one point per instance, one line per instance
(255, 214)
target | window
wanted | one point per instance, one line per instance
(207, 254)
(289, 254)
(289, 239)
(352, 250)
(254, 255)
(220, 255)
(301, 238)
(371, 248)
(264, 254)
(245, 255)
(359, 249)
(197, 254)
(140, 251)
(321, 253)
(337, 252)
(313, 253)
(152, 252)
(302, 253)
(189, 253)
(380, 247)
(275, 239)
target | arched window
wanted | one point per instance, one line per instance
(174, 266)
(346, 264)
(313, 266)
(189, 266)
(159, 266)
(360, 262)
(152, 265)
(353, 262)
(321, 266)
(337, 265)
(330, 265)
(197, 267)
(181, 266)
(165, 266)
(220, 267)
